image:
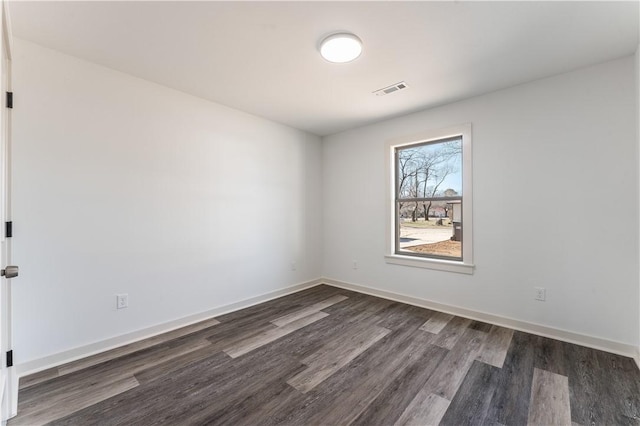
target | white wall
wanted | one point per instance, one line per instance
(124, 186)
(555, 204)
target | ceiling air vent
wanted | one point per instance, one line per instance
(390, 89)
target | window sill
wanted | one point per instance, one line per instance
(437, 264)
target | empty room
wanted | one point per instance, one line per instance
(320, 213)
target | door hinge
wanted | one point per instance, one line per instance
(9, 99)
(8, 229)
(10, 358)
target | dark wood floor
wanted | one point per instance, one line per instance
(331, 356)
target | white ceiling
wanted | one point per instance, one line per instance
(262, 58)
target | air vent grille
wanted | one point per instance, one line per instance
(390, 89)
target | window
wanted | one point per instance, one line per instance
(430, 211)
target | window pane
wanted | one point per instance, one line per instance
(430, 170)
(430, 228)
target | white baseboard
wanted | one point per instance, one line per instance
(540, 330)
(74, 354)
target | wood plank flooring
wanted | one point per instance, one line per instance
(328, 356)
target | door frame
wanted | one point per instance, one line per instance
(9, 378)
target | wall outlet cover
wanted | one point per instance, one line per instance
(122, 301)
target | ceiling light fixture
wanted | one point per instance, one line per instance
(341, 47)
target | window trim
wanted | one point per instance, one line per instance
(465, 266)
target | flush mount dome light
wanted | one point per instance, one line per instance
(341, 47)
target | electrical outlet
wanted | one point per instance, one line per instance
(541, 293)
(122, 301)
(294, 266)
(355, 264)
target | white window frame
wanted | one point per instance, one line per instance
(464, 266)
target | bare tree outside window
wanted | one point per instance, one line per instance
(428, 198)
